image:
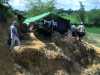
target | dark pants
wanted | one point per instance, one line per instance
(81, 34)
(74, 34)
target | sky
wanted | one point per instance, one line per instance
(19, 4)
(65, 4)
(74, 4)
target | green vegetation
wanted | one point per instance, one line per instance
(38, 7)
(73, 18)
(5, 10)
(82, 12)
(93, 35)
(91, 18)
(93, 30)
(93, 38)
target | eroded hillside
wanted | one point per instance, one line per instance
(60, 55)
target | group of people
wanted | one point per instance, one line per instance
(16, 29)
(78, 32)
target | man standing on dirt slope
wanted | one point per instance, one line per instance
(81, 31)
(14, 35)
(74, 31)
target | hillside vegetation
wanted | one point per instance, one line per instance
(93, 35)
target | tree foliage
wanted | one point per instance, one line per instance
(5, 10)
(93, 17)
(82, 12)
(39, 6)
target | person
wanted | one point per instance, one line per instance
(69, 28)
(14, 35)
(54, 25)
(22, 29)
(74, 31)
(81, 31)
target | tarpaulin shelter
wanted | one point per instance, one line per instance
(62, 25)
(35, 18)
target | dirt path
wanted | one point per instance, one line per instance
(36, 42)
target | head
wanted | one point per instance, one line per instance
(81, 23)
(15, 17)
(73, 26)
(14, 23)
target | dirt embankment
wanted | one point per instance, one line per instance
(6, 61)
(58, 56)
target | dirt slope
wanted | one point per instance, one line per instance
(6, 61)
(60, 56)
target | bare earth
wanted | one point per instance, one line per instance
(53, 66)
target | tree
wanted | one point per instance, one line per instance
(69, 11)
(93, 17)
(39, 6)
(5, 10)
(2, 10)
(82, 12)
(4, 2)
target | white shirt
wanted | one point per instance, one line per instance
(73, 28)
(54, 23)
(81, 28)
(13, 31)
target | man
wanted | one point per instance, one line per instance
(14, 35)
(74, 31)
(81, 31)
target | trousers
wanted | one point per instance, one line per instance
(15, 40)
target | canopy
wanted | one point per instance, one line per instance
(35, 18)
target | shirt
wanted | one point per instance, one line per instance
(73, 28)
(81, 28)
(13, 31)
